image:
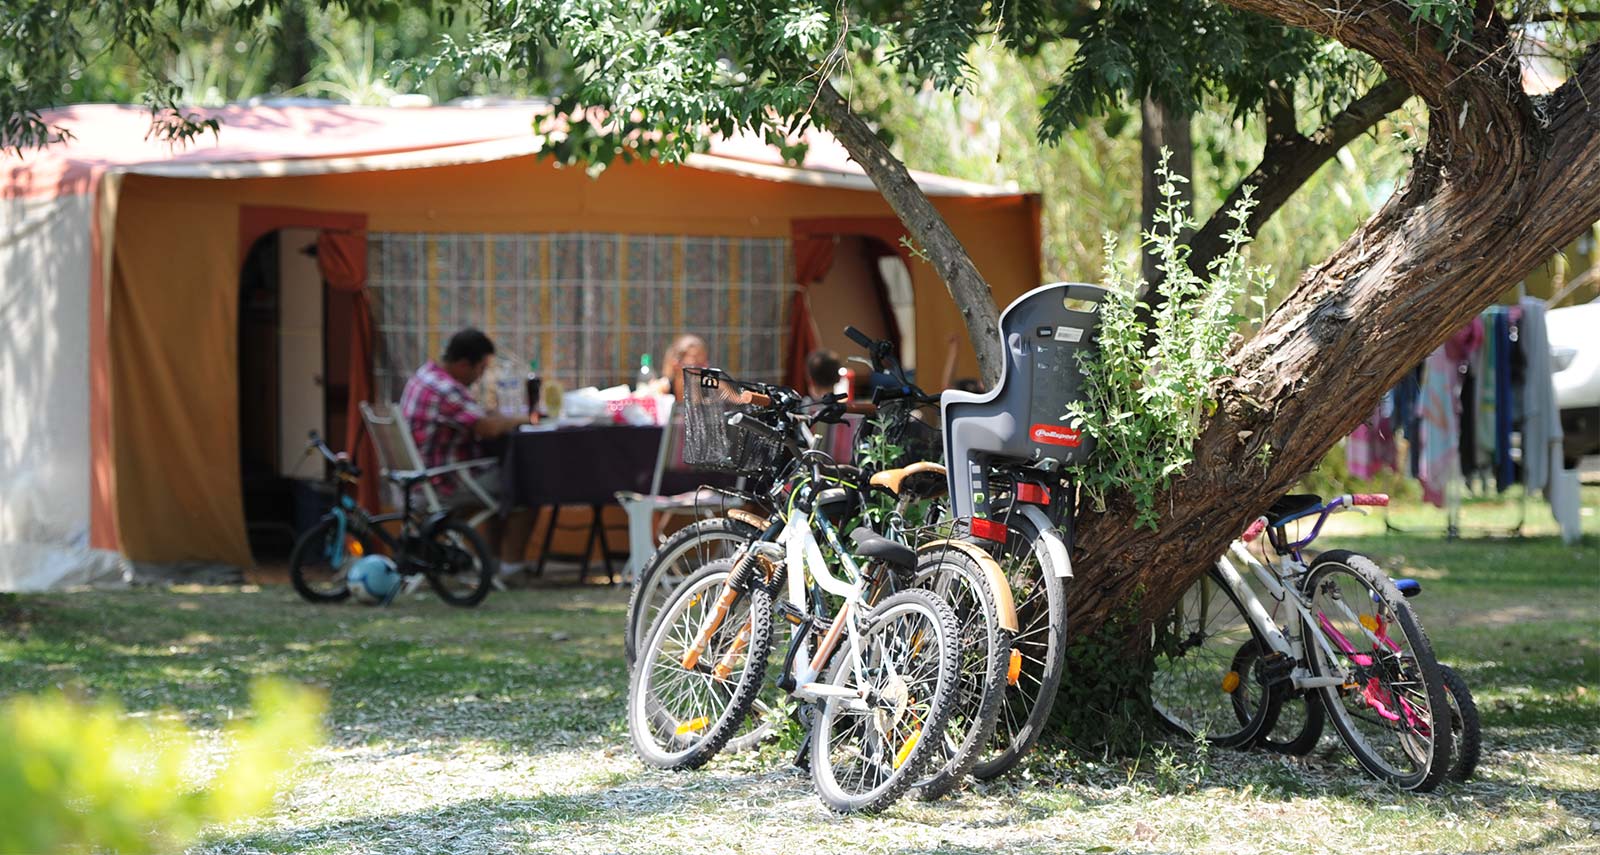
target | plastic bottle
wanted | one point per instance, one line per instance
(647, 374)
(507, 395)
(534, 387)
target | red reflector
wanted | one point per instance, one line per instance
(1033, 494)
(989, 530)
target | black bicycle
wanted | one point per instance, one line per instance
(438, 547)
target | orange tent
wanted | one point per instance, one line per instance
(120, 263)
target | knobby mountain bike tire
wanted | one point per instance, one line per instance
(1298, 723)
(1040, 642)
(956, 579)
(680, 718)
(1389, 713)
(1465, 727)
(679, 556)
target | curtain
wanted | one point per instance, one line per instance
(812, 258)
(342, 258)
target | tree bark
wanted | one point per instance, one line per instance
(925, 224)
(1288, 160)
(1498, 188)
(1162, 127)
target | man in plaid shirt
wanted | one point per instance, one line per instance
(447, 423)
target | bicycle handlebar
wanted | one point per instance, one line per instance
(1369, 499)
(340, 460)
(860, 338)
(1255, 529)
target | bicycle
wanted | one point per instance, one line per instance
(1226, 664)
(446, 552)
(880, 679)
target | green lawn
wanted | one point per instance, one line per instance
(499, 729)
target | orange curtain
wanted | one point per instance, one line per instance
(812, 258)
(342, 258)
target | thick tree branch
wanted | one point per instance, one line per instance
(1287, 162)
(924, 222)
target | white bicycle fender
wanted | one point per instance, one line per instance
(1056, 550)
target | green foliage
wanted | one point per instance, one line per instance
(1104, 702)
(79, 776)
(1144, 403)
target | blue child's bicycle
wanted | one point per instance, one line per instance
(445, 551)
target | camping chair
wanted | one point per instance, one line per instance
(642, 509)
(400, 461)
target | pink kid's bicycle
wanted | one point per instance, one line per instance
(1233, 653)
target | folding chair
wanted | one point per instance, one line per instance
(642, 509)
(399, 459)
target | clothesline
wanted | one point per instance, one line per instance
(1480, 410)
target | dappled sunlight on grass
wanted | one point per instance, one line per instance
(500, 729)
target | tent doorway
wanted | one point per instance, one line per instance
(284, 392)
(868, 286)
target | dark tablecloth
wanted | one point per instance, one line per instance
(587, 466)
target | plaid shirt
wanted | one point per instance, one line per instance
(441, 413)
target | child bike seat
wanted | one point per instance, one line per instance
(1041, 335)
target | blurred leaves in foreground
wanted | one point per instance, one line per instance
(86, 776)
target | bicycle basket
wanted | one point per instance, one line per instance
(912, 439)
(710, 396)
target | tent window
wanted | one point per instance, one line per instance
(586, 305)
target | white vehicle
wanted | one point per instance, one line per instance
(1575, 361)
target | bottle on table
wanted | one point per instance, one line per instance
(507, 395)
(647, 375)
(534, 387)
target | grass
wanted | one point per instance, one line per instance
(499, 729)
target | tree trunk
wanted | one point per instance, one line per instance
(925, 224)
(1162, 128)
(1495, 192)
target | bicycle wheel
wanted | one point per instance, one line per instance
(1194, 689)
(1039, 647)
(686, 551)
(956, 579)
(460, 567)
(1464, 725)
(679, 718)
(323, 555)
(1392, 697)
(867, 749)
(1297, 725)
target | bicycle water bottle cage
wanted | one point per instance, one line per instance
(1020, 420)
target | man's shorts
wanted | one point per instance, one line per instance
(488, 477)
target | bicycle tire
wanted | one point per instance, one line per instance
(718, 714)
(1376, 685)
(906, 761)
(651, 591)
(1464, 726)
(457, 543)
(1040, 640)
(985, 655)
(1307, 707)
(314, 538)
(1194, 689)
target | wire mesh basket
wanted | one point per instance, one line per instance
(900, 435)
(710, 396)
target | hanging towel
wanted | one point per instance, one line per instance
(1408, 421)
(1370, 448)
(1541, 420)
(1440, 378)
(1482, 456)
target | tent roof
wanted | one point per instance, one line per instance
(268, 141)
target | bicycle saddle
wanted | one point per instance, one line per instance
(1041, 333)
(923, 480)
(1292, 506)
(870, 544)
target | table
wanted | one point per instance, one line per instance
(587, 465)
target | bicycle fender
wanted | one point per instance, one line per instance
(749, 519)
(431, 525)
(1052, 541)
(1005, 606)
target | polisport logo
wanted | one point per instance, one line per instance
(1053, 435)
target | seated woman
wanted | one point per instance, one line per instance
(686, 351)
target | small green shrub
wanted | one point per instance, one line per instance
(82, 777)
(1144, 404)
